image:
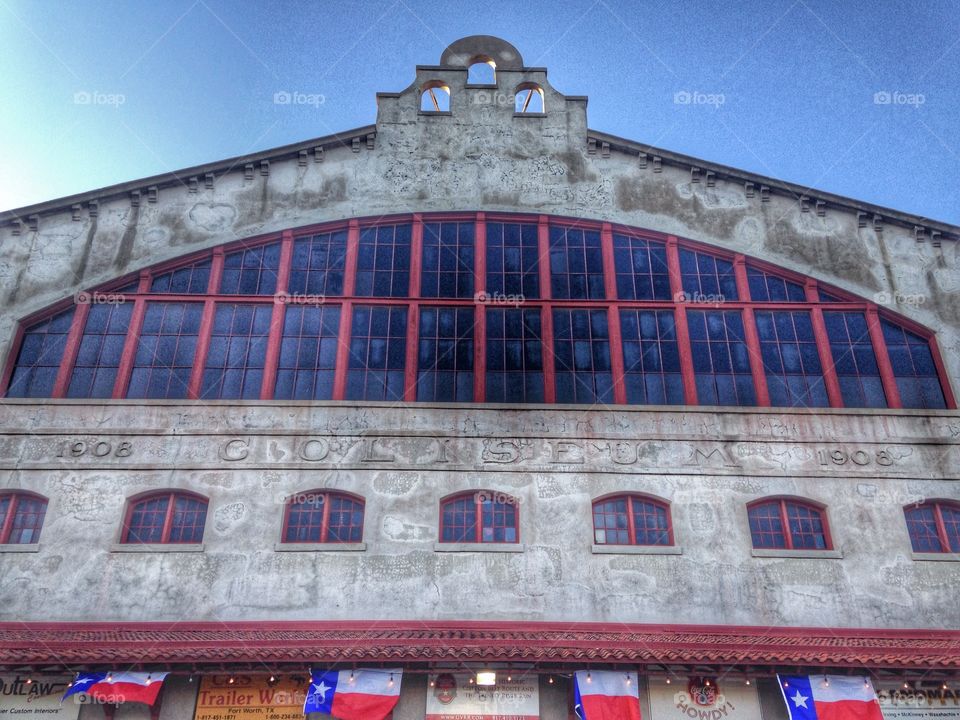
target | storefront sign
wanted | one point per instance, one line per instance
(39, 698)
(932, 703)
(703, 698)
(450, 696)
(250, 696)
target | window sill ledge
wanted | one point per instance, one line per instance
(157, 548)
(436, 113)
(20, 548)
(935, 557)
(811, 554)
(481, 86)
(320, 547)
(636, 550)
(529, 115)
(479, 547)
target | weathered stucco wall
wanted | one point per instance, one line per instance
(248, 458)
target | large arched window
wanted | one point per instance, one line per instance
(631, 520)
(21, 517)
(169, 516)
(934, 526)
(529, 99)
(482, 71)
(477, 307)
(322, 516)
(480, 516)
(435, 97)
(788, 524)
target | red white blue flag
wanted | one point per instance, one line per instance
(606, 695)
(829, 697)
(118, 687)
(353, 694)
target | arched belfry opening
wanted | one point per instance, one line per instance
(466, 51)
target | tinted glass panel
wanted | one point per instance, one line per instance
(766, 526)
(641, 268)
(38, 361)
(252, 271)
(28, 513)
(765, 287)
(147, 520)
(98, 358)
(383, 261)
(165, 353)
(913, 366)
(582, 356)
(377, 353)
(447, 260)
(790, 359)
(445, 355)
(512, 261)
(317, 266)
(721, 361)
(854, 359)
(514, 356)
(576, 264)
(189, 517)
(238, 348)
(651, 358)
(458, 519)
(308, 353)
(706, 278)
(191, 279)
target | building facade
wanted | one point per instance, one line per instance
(478, 387)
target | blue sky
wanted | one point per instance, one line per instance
(99, 93)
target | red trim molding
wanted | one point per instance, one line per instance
(219, 643)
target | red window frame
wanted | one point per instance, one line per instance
(944, 535)
(478, 498)
(820, 298)
(630, 499)
(10, 515)
(789, 541)
(172, 497)
(328, 496)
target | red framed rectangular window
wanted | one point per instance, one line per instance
(581, 350)
(514, 363)
(721, 360)
(791, 361)
(445, 354)
(237, 353)
(651, 357)
(513, 267)
(641, 268)
(854, 359)
(322, 517)
(706, 278)
(252, 271)
(167, 517)
(383, 261)
(165, 353)
(447, 269)
(98, 358)
(913, 367)
(631, 520)
(576, 264)
(378, 346)
(41, 352)
(482, 516)
(765, 287)
(934, 527)
(21, 518)
(308, 353)
(318, 265)
(189, 280)
(788, 525)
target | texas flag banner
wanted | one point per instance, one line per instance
(353, 694)
(118, 687)
(606, 695)
(829, 697)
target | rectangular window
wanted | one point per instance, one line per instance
(165, 352)
(576, 264)
(512, 260)
(98, 358)
(447, 260)
(308, 353)
(641, 268)
(514, 356)
(651, 360)
(238, 349)
(318, 264)
(252, 271)
(41, 352)
(445, 355)
(721, 361)
(383, 261)
(378, 346)
(854, 359)
(790, 359)
(581, 348)
(765, 287)
(706, 278)
(913, 367)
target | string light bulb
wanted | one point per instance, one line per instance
(149, 678)
(28, 681)
(589, 677)
(389, 683)
(746, 681)
(826, 681)
(351, 677)
(669, 681)
(550, 679)
(231, 680)
(627, 678)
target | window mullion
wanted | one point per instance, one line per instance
(410, 360)
(479, 518)
(129, 353)
(631, 523)
(342, 363)
(203, 346)
(480, 311)
(750, 334)
(941, 528)
(272, 354)
(830, 380)
(680, 323)
(787, 533)
(613, 314)
(883, 358)
(168, 519)
(325, 523)
(7, 527)
(70, 351)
